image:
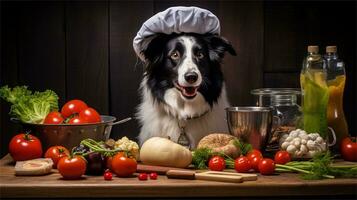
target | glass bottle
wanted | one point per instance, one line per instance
(286, 111)
(315, 93)
(336, 78)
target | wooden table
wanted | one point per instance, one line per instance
(90, 186)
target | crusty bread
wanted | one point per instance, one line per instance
(220, 142)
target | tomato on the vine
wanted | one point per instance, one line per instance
(217, 163)
(56, 153)
(348, 149)
(72, 167)
(123, 166)
(282, 157)
(73, 107)
(242, 164)
(266, 166)
(90, 115)
(25, 147)
(53, 117)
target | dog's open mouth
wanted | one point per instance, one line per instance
(187, 92)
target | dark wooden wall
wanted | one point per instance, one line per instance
(84, 49)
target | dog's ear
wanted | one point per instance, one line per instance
(152, 47)
(218, 46)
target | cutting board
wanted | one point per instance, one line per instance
(231, 177)
(141, 168)
(190, 174)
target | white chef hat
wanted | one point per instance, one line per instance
(176, 20)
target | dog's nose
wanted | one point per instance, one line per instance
(191, 77)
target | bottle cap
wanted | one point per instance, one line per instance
(331, 49)
(313, 49)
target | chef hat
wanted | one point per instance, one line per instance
(176, 20)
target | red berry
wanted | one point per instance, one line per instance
(108, 176)
(153, 176)
(143, 176)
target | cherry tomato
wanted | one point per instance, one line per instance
(282, 157)
(348, 149)
(266, 166)
(72, 167)
(108, 176)
(54, 118)
(242, 164)
(254, 157)
(73, 107)
(153, 176)
(217, 163)
(25, 147)
(56, 153)
(143, 177)
(90, 115)
(254, 153)
(76, 120)
(123, 166)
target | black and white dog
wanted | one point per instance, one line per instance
(183, 81)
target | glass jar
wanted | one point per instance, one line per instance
(286, 111)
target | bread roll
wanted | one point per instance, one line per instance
(220, 142)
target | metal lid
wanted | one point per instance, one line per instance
(331, 49)
(276, 91)
(313, 49)
(249, 109)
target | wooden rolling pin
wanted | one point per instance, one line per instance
(231, 177)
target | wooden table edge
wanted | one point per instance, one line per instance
(231, 190)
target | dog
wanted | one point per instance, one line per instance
(183, 83)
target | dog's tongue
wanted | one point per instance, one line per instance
(190, 91)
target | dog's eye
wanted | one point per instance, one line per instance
(175, 55)
(200, 55)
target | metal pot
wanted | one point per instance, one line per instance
(69, 135)
(250, 124)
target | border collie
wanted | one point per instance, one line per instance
(183, 83)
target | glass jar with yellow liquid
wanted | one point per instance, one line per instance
(315, 92)
(336, 78)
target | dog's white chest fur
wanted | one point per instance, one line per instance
(159, 119)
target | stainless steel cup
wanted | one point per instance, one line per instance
(250, 124)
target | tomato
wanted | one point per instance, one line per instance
(123, 166)
(54, 118)
(25, 147)
(72, 167)
(217, 163)
(242, 164)
(254, 157)
(76, 120)
(56, 153)
(90, 115)
(266, 166)
(143, 177)
(73, 107)
(108, 176)
(348, 149)
(254, 153)
(282, 157)
(153, 176)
